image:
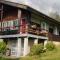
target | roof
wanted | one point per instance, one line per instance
(44, 16)
(30, 9)
(14, 4)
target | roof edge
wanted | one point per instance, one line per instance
(29, 9)
(13, 4)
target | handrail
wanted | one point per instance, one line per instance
(28, 29)
(38, 31)
(51, 34)
(53, 37)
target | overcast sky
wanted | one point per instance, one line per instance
(50, 5)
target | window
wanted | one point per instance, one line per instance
(43, 25)
(0, 26)
(15, 22)
(51, 30)
(5, 23)
(10, 24)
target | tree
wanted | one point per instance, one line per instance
(55, 15)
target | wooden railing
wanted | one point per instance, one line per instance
(37, 31)
(8, 30)
(53, 37)
(24, 29)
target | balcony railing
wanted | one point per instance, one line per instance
(23, 29)
(37, 31)
(8, 30)
(53, 37)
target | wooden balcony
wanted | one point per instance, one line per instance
(8, 31)
(23, 29)
(53, 37)
(37, 31)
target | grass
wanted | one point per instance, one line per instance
(49, 55)
(8, 58)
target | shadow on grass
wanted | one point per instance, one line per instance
(2, 58)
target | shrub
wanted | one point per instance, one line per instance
(2, 47)
(50, 46)
(37, 49)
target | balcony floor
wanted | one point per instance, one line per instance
(23, 35)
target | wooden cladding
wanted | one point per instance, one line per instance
(23, 25)
(9, 13)
(53, 37)
(11, 16)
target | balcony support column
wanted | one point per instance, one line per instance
(45, 42)
(35, 41)
(19, 46)
(1, 40)
(25, 46)
(19, 18)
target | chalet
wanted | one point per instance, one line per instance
(21, 26)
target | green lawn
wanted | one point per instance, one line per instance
(50, 55)
(8, 58)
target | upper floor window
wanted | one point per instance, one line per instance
(51, 30)
(4, 24)
(0, 26)
(43, 25)
(10, 24)
(16, 22)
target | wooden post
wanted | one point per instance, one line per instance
(19, 47)
(25, 46)
(19, 18)
(1, 16)
(36, 41)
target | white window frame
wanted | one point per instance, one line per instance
(43, 27)
(0, 26)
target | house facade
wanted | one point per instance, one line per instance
(22, 26)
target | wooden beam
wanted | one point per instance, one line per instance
(19, 18)
(23, 35)
(13, 4)
(1, 15)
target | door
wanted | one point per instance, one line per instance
(23, 25)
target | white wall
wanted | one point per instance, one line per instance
(13, 46)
